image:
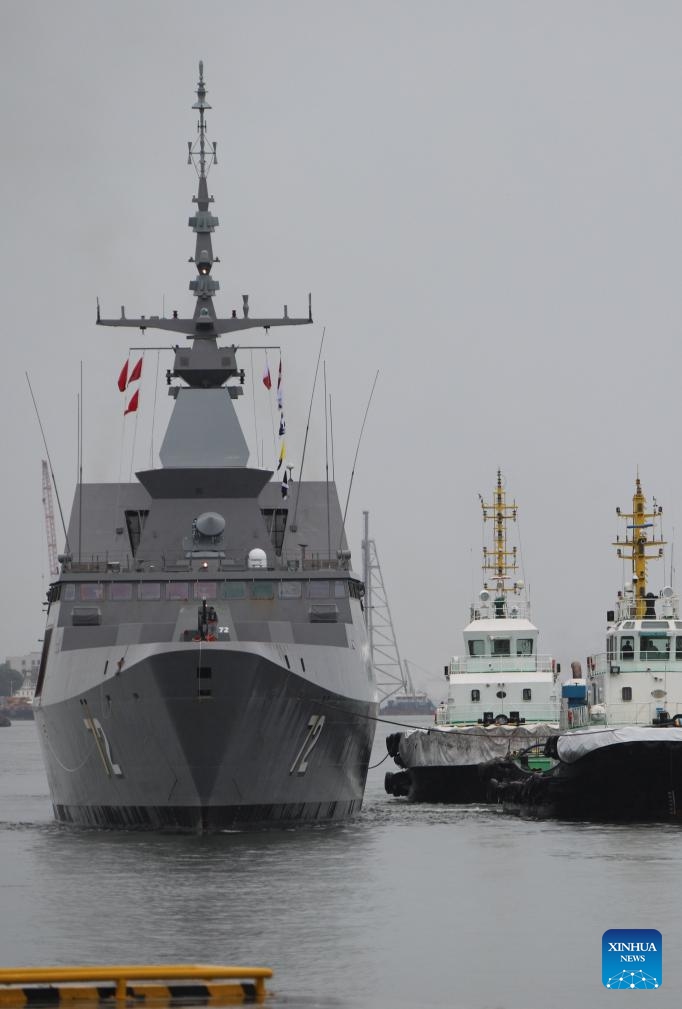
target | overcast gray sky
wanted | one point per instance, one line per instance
(483, 198)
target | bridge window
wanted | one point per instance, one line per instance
(475, 695)
(177, 590)
(232, 590)
(205, 590)
(477, 647)
(149, 590)
(91, 590)
(289, 590)
(318, 590)
(627, 648)
(626, 693)
(262, 590)
(501, 646)
(653, 648)
(524, 646)
(121, 590)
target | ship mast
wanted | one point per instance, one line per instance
(205, 325)
(634, 546)
(500, 561)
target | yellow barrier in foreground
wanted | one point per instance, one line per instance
(13, 980)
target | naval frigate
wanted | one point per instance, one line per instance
(205, 663)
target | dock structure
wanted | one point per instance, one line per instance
(118, 983)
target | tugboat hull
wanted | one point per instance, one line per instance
(624, 782)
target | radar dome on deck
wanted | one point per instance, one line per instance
(210, 524)
(257, 558)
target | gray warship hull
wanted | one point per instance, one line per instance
(255, 745)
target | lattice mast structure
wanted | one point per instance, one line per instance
(499, 562)
(48, 507)
(392, 674)
(638, 541)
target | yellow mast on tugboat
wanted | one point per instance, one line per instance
(500, 562)
(634, 547)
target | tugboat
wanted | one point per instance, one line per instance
(503, 696)
(205, 662)
(624, 762)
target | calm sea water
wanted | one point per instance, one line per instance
(407, 906)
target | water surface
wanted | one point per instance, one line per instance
(410, 905)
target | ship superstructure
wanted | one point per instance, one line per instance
(205, 661)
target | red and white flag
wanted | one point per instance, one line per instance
(134, 403)
(267, 381)
(136, 373)
(123, 378)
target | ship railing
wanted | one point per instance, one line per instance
(132, 983)
(450, 713)
(661, 607)
(503, 608)
(201, 561)
(500, 665)
(636, 713)
(576, 717)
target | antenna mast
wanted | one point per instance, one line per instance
(634, 547)
(500, 561)
(391, 677)
(49, 522)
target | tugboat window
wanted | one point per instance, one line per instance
(524, 646)
(477, 647)
(627, 648)
(501, 646)
(654, 649)
(626, 693)
(527, 693)
(475, 695)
